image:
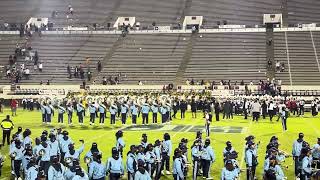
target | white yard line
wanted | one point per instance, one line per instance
(315, 50)
(288, 57)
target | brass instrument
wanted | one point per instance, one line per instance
(87, 160)
(13, 155)
(68, 160)
(42, 152)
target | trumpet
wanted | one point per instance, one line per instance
(42, 152)
(284, 153)
(87, 160)
(13, 155)
(68, 160)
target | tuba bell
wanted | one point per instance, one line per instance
(89, 99)
(13, 155)
(68, 160)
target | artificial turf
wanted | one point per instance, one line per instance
(234, 130)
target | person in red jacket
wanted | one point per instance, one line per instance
(14, 106)
(294, 106)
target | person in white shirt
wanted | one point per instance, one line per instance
(271, 108)
(40, 67)
(27, 73)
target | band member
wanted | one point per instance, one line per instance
(145, 113)
(56, 170)
(114, 165)
(251, 159)
(26, 158)
(80, 174)
(124, 111)
(163, 111)
(166, 152)
(92, 111)
(44, 155)
(32, 169)
(296, 152)
(274, 171)
(217, 110)
(183, 108)
(207, 158)
(142, 173)
(246, 106)
(284, 116)
(141, 153)
(93, 150)
(74, 153)
(157, 152)
(208, 120)
(178, 170)
(54, 146)
(169, 108)
(271, 108)
(150, 159)
(196, 157)
(229, 172)
(27, 141)
(316, 155)
(144, 140)
(131, 162)
(155, 110)
(61, 111)
(43, 112)
(49, 113)
(120, 142)
(80, 112)
(134, 113)
(97, 170)
(113, 111)
(64, 144)
(102, 113)
(16, 153)
(227, 150)
(306, 170)
(194, 108)
(301, 107)
(70, 113)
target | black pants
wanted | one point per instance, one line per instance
(217, 116)
(174, 113)
(103, 178)
(101, 118)
(164, 118)
(44, 118)
(255, 116)
(92, 117)
(145, 119)
(123, 118)
(284, 123)
(271, 114)
(6, 135)
(134, 119)
(16, 167)
(165, 161)
(296, 165)
(62, 157)
(245, 112)
(207, 127)
(69, 118)
(251, 172)
(301, 110)
(155, 117)
(205, 167)
(80, 117)
(114, 176)
(48, 118)
(113, 119)
(44, 165)
(130, 176)
(183, 112)
(316, 164)
(60, 118)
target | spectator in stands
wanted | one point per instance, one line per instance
(40, 66)
(70, 9)
(269, 64)
(104, 81)
(89, 75)
(27, 73)
(48, 82)
(69, 71)
(187, 82)
(76, 72)
(140, 83)
(41, 83)
(99, 66)
(282, 67)
(192, 82)
(81, 73)
(278, 66)
(36, 58)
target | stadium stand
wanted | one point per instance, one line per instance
(303, 12)
(155, 63)
(228, 56)
(234, 11)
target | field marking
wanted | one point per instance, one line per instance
(288, 56)
(315, 50)
(188, 130)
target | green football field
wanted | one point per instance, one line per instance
(234, 130)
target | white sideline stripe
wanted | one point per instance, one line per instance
(244, 146)
(179, 131)
(315, 50)
(187, 130)
(288, 57)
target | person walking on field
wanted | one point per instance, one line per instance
(7, 126)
